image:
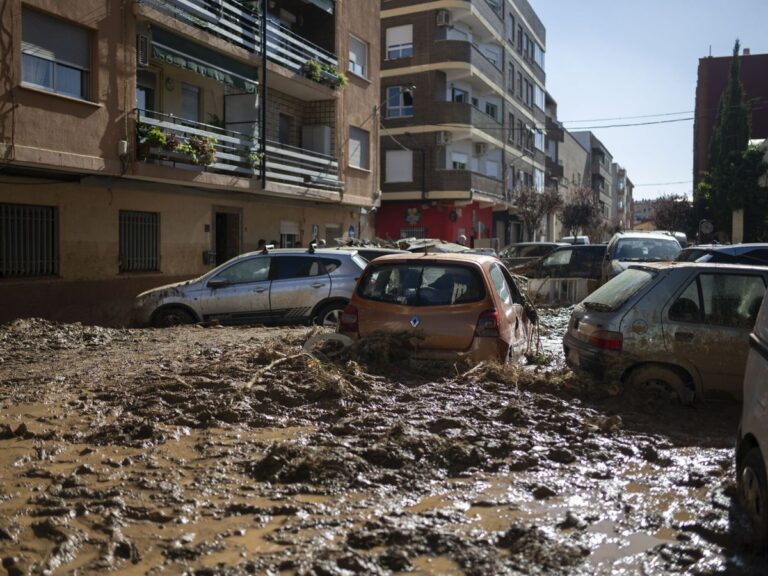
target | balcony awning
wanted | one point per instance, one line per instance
(187, 55)
(325, 5)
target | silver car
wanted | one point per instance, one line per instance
(627, 248)
(291, 286)
(677, 326)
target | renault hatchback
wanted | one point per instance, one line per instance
(456, 305)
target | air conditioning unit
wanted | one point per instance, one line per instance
(443, 18)
(480, 148)
(142, 50)
(443, 138)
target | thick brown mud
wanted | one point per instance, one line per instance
(230, 451)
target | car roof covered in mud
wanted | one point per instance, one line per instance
(470, 258)
(672, 264)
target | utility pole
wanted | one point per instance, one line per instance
(263, 109)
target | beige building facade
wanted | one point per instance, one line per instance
(131, 142)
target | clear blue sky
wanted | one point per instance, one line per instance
(617, 58)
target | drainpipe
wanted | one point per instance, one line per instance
(263, 110)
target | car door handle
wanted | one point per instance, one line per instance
(318, 284)
(260, 290)
(683, 336)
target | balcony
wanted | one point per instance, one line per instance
(459, 114)
(240, 25)
(554, 169)
(462, 51)
(555, 130)
(480, 186)
(170, 141)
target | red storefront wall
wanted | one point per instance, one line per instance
(442, 220)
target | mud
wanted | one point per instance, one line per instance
(231, 451)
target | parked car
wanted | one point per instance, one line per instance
(460, 305)
(752, 443)
(287, 286)
(368, 253)
(575, 261)
(751, 253)
(521, 252)
(626, 248)
(678, 326)
(575, 240)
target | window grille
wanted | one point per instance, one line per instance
(29, 240)
(139, 241)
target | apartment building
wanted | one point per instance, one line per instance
(145, 141)
(622, 198)
(600, 168)
(463, 112)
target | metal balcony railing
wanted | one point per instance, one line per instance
(237, 153)
(240, 25)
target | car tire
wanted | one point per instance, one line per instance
(330, 315)
(658, 384)
(172, 317)
(753, 495)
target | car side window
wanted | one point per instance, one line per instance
(330, 264)
(289, 267)
(687, 307)
(252, 270)
(731, 300)
(500, 284)
(559, 258)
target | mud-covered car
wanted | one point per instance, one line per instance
(523, 252)
(755, 254)
(627, 248)
(289, 286)
(573, 261)
(678, 327)
(456, 305)
(752, 443)
(368, 253)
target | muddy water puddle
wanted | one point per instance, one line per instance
(230, 452)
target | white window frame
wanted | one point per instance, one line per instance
(399, 166)
(354, 66)
(399, 42)
(401, 109)
(359, 148)
(459, 161)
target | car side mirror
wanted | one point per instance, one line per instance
(213, 284)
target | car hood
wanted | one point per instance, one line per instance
(168, 289)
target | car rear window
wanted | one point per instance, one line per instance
(614, 293)
(418, 284)
(646, 249)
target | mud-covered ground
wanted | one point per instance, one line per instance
(229, 451)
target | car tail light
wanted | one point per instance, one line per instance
(348, 322)
(488, 324)
(606, 340)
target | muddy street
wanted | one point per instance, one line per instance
(230, 451)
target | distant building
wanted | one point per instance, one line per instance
(712, 79)
(622, 198)
(644, 212)
(600, 166)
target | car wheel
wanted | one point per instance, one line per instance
(172, 317)
(330, 315)
(753, 494)
(658, 384)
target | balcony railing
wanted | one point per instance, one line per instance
(235, 153)
(240, 25)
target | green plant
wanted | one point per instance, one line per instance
(312, 69)
(155, 137)
(172, 142)
(203, 150)
(255, 158)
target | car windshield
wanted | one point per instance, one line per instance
(613, 294)
(422, 285)
(528, 251)
(646, 249)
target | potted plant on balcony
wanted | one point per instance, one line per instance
(203, 150)
(148, 138)
(324, 74)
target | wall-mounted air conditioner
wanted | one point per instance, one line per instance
(443, 18)
(142, 50)
(480, 148)
(443, 137)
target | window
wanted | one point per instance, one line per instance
(519, 85)
(511, 28)
(731, 300)
(358, 147)
(459, 161)
(511, 79)
(284, 128)
(511, 128)
(145, 90)
(492, 110)
(358, 57)
(139, 241)
(493, 169)
(399, 166)
(538, 139)
(520, 135)
(538, 55)
(190, 102)
(459, 95)
(527, 92)
(538, 180)
(417, 285)
(399, 102)
(400, 42)
(252, 270)
(55, 55)
(29, 240)
(520, 38)
(289, 267)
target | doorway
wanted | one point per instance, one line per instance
(227, 235)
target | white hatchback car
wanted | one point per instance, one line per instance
(752, 443)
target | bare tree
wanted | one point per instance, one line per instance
(533, 206)
(579, 212)
(674, 213)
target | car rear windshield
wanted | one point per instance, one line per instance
(613, 294)
(529, 251)
(420, 284)
(646, 249)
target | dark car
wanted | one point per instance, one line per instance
(755, 254)
(575, 261)
(523, 252)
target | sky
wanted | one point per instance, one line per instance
(621, 58)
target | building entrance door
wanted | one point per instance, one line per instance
(228, 236)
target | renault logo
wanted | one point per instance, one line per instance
(415, 321)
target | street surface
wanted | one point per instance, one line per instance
(229, 451)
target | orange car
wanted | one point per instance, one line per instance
(457, 306)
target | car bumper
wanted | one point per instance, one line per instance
(582, 356)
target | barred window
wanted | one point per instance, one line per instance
(29, 240)
(139, 241)
(413, 232)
